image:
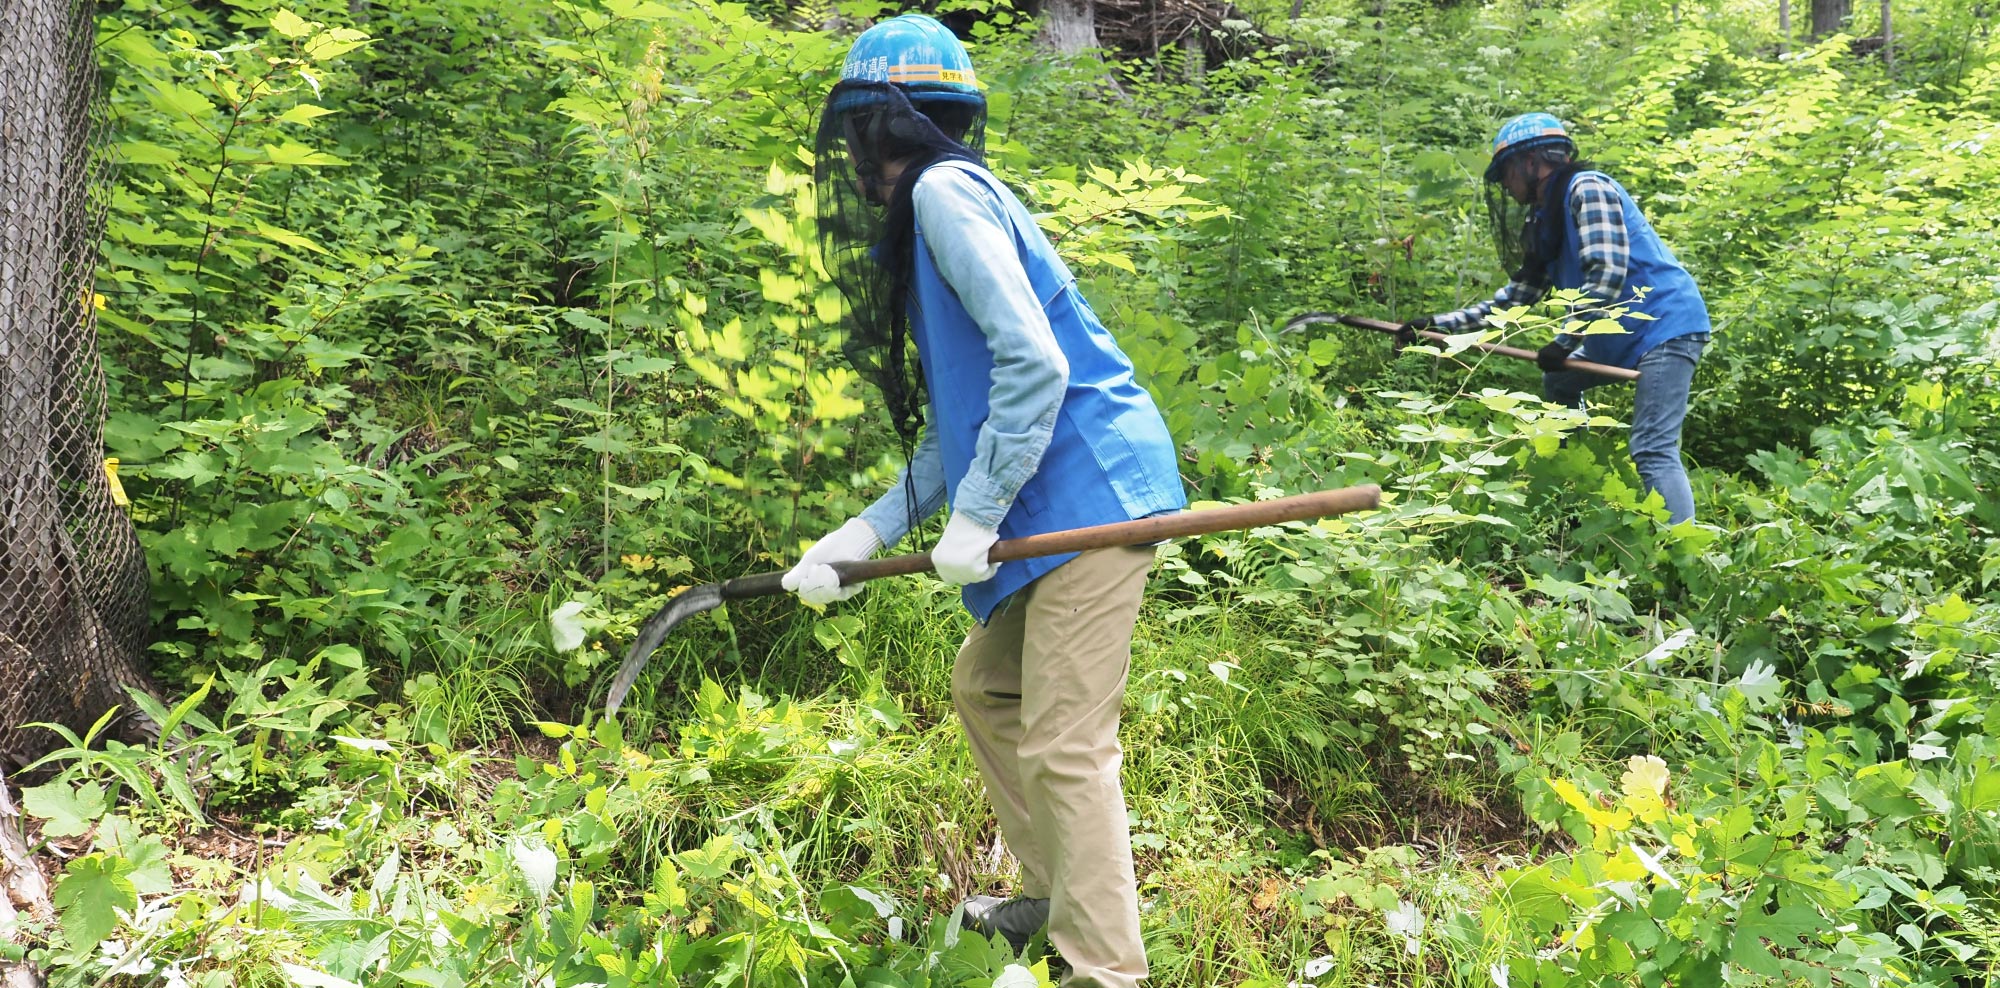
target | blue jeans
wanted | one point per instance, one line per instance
(1666, 375)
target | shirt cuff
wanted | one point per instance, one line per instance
(876, 526)
(981, 500)
(1453, 321)
(892, 514)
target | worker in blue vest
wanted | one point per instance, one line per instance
(1031, 422)
(1560, 223)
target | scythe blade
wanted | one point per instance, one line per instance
(678, 608)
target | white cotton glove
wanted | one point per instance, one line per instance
(814, 579)
(960, 555)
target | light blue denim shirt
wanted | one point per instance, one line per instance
(972, 243)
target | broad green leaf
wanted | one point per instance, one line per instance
(667, 889)
(711, 863)
(305, 977)
(647, 365)
(304, 113)
(292, 153)
(1645, 786)
(147, 153)
(334, 42)
(1783, 930)
(92, 890)
(66, 811)
(431, 977)
(345, 656)
(290, 25)
(150, 872)
(1983, 794)
(181, 103)
(1597, 817)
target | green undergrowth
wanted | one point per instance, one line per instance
(447, 340)
(771, 840)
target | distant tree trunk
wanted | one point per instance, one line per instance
(1298, 7)
(1888, 39)
(1785, 26)
(1070, 26)
(1828, 16)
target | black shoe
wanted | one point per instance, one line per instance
(1018, 919)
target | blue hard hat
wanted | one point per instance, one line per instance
(1526, 133)
(917, 53)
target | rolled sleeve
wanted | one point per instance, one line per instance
(1515, 293)
(1603, 245)
(918, 494)
(971, 240)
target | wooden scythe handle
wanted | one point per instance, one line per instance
(1517, 353)
(1298, 507)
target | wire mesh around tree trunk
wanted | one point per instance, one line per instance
(73, 610)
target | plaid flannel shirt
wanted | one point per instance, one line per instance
(1603, 248)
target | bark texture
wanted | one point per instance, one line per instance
(24, 895)
(73, 619)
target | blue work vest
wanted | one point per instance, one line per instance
(1674, 302)
(1110, 458)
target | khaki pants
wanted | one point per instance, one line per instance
(1039, 688)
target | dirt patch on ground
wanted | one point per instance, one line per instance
(242, 845)
(1398, 808)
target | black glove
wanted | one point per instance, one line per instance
(1406, 334)
(1552, 358)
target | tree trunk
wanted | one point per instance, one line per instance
(72, 575)
(1070, 26)
(1829, 16)
(1888, 39)
(1784, 26)
(23, 893)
